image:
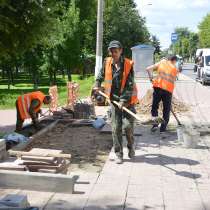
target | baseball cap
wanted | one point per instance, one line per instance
(114, 44)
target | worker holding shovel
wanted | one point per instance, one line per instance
(163, 86)
(118, 76)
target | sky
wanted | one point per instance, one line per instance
(163, 16)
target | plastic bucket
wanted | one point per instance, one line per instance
(180, 131)
(191, 139)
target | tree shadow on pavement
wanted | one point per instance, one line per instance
(164, 160)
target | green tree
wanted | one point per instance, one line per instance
(122, 22)
(204, 32)
(187, 43)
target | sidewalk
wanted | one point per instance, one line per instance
(163, 176)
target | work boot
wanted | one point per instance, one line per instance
(131, 152)
(119, 159)
(162, 128)
(154, 128)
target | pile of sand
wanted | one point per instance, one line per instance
(145, 104)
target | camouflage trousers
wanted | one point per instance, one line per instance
(122, 121)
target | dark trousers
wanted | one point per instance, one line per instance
(166, 97)
(121, 120)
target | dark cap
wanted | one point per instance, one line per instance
(173, 58)
(114, 44)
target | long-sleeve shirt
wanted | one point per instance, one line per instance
(116, 93)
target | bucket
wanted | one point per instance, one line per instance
(191, 139)
(180, 131)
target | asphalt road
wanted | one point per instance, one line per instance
(188, 71)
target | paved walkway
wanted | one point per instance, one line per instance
(163, 176)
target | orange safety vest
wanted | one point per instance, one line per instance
(128, 64)
(24, 103)
(166, 76)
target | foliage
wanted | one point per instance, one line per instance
(48, 38)
(187, 43)
(122, 22)
(204, 32)
(25, 24)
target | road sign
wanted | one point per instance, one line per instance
(174, 37)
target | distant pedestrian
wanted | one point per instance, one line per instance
(163, 85)
(118, 76)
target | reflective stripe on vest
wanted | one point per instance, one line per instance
(25, 106)
(24, 103)
(166, 76)
(108, 78)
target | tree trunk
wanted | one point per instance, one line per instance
(3, 73)
(12, 77)
(9, 77)
(54, 77)
(16, 71)
(63, 73)
(50, 75)
(35, 79)
(69, 74)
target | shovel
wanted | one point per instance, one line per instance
(118, 104)
(126, 110)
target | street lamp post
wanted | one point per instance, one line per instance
(99, 38)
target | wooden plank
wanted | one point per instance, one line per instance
(47, 154)
(35, 158)
(31, 162)
(37, 181)
(42, 152)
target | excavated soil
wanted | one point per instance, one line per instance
(89, 148)
(145, 105)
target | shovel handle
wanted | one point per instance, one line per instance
(123, 108)
(172, 111)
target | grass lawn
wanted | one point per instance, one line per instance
(23, 85)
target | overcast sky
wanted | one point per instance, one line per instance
(164, 15)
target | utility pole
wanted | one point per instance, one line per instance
(99, 38)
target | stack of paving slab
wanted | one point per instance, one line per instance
(43, 164)
(37, 162)
(3, 152)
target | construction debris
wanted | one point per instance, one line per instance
(145, 104)
(84, 109)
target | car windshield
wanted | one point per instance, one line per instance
(208, 60)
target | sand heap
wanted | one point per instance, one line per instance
(145, 104)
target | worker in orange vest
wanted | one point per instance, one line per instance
(29, 106)
(163, 85)
(118, 76)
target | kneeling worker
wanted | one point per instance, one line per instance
(28, 106)
(163, 86)
(118, 76)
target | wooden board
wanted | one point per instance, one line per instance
(36, 158)
(37, 181)
(42, 152)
